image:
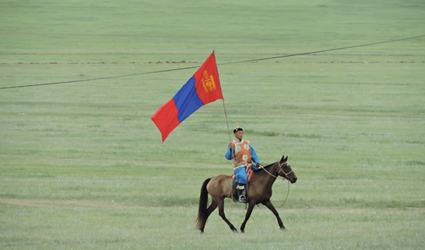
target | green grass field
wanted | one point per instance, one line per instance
(82, 165)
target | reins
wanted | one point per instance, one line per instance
(287, 194)
(261, 166)
(280, 169)
(286, 174)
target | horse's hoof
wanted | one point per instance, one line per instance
(283, 229)
(235, 231)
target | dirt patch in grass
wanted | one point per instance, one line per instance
(69, 204)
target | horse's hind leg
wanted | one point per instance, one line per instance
(210, 209)
(223, 216)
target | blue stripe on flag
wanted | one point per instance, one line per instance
(187, 100)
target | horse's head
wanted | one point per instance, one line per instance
(286, 171)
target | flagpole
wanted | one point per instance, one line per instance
(225, 114)
(224, 106)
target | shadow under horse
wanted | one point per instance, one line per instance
(259, 191)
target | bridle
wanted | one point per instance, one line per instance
(280, 170)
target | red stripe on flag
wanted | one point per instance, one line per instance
(166, 118)
(207, 82)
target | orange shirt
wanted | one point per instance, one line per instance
(242, 155)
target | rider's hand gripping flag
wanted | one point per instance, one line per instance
(202, 88)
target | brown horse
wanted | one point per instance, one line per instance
(259, 191)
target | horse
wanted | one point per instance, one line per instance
(259, 191)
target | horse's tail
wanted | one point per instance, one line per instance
(203, 205)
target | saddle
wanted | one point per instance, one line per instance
(249, 172)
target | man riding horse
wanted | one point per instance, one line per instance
(243, 155)
(219, 187)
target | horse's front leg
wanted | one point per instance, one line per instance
(270, 206)
(247, 215)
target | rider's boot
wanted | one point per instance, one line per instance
(242, 193)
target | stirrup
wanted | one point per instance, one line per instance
(242, 193)
(242, 198)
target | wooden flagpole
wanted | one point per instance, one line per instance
(225, 114)
(224, 106)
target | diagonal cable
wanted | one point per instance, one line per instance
(192, 67)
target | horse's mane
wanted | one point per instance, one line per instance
(266, 167)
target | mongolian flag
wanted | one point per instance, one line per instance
(202, 88)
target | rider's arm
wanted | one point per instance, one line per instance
(254, 155)
(229, 154)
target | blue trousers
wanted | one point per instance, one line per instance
(240, 175)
